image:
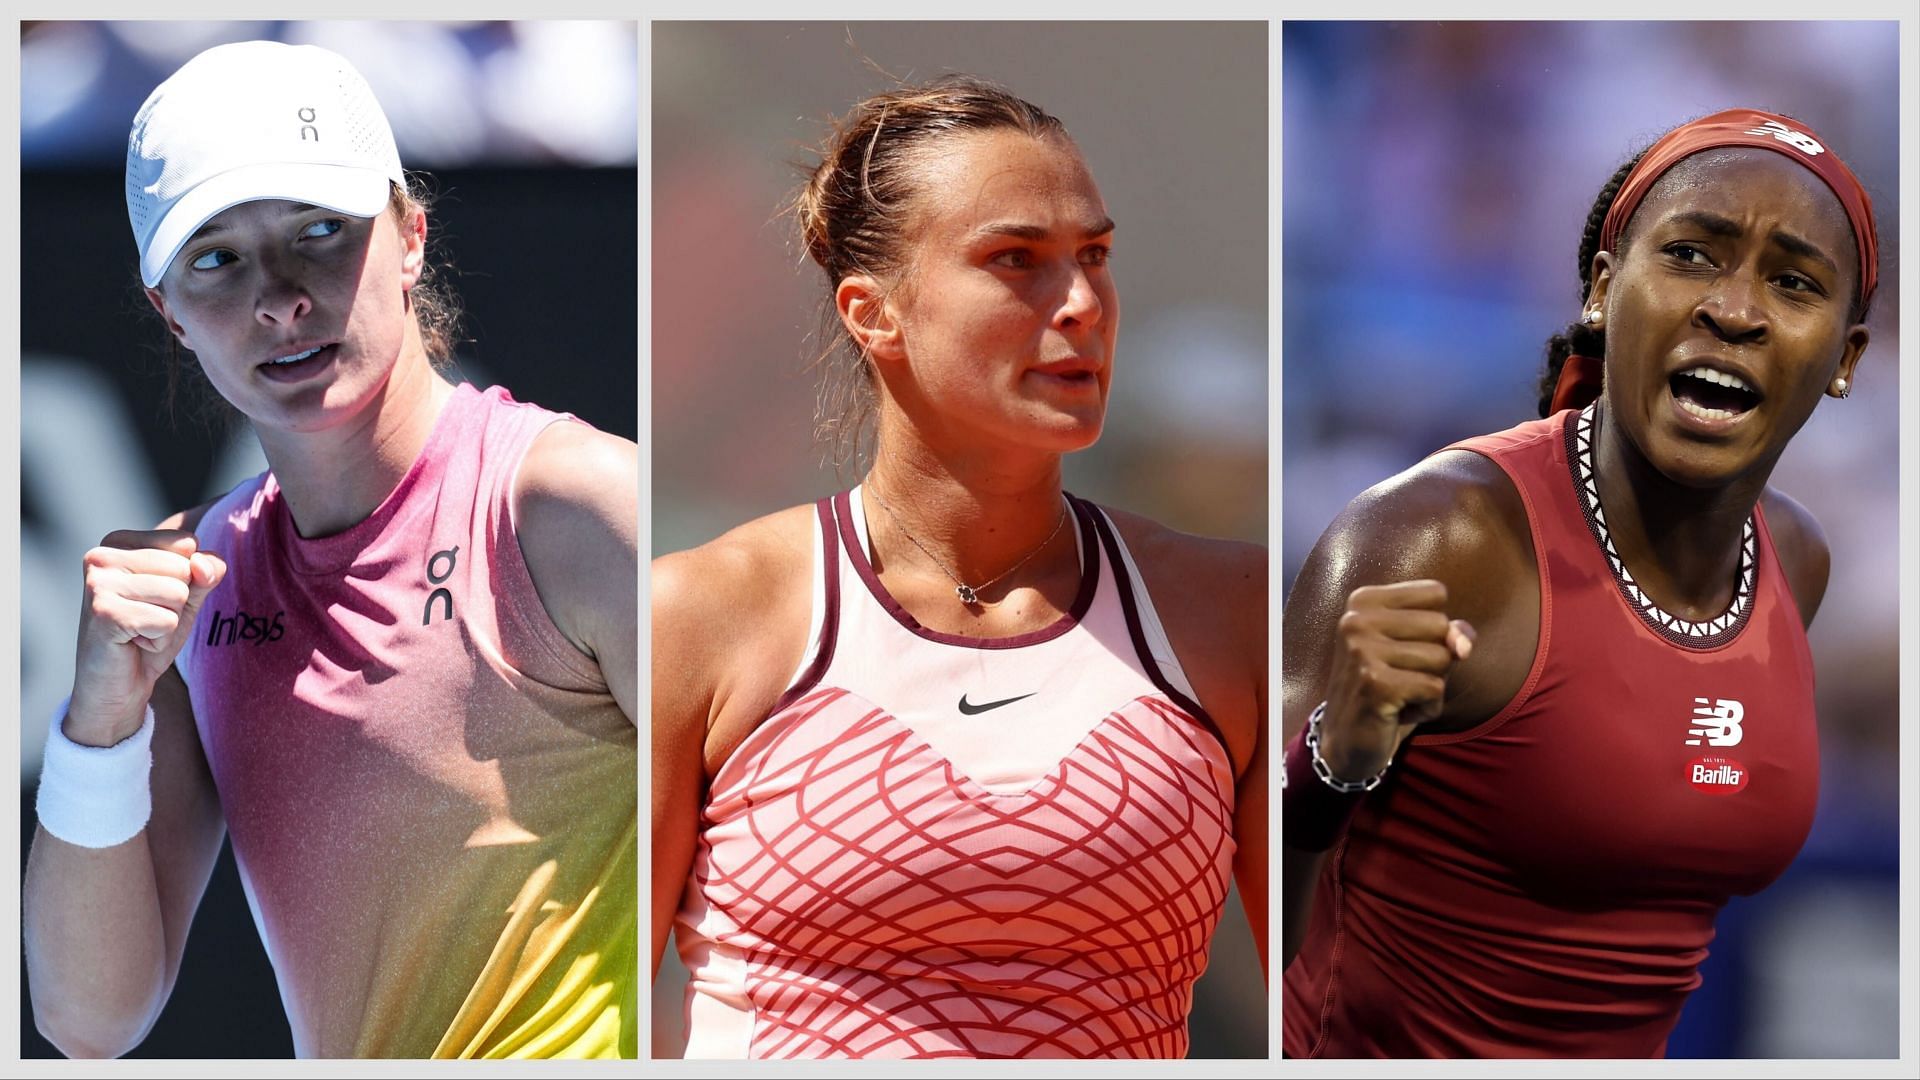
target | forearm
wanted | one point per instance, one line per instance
(95, 944)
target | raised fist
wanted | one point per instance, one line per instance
(143, 590)
(1393, 650)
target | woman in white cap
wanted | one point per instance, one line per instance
(398, 668)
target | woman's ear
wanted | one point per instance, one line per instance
(159, 302)
(413, 254)
(869, 320)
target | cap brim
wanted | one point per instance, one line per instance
(352, 191)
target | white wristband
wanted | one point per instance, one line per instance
(96, 796)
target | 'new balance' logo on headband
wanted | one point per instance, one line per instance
(1799, 140)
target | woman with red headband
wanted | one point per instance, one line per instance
(1549, 693)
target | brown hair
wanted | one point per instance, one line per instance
(430, 302)
(853, 212)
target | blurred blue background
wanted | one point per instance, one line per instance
(1172, 119)
(529, 133)
(1436, 178)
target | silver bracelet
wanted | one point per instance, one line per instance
(1325, 772)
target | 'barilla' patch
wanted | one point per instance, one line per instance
(1716, 775)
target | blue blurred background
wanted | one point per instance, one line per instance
(529, 132)
(1436, 178)
(1173, 121)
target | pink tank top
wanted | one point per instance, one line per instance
(430, 791)
(939, 846)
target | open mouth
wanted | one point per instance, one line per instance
(298, 365)
(1713, 395)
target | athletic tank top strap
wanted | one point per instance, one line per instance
(1149, 636)
(840, 553)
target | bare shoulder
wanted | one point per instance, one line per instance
(576, 478)
(743, 575)
(1204, 563)
(575, 502)
(1211, 597)
(730, 622)
(1801, 545)
(1432, 520)
(1454, 517)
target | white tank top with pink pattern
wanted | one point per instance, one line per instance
(939, 846)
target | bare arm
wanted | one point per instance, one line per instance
(1802, 546)
(729, 624)
(1212, 598)
(577, 511)
(1250, 833)
(105, 928)
(683, 693)
(1455, 523)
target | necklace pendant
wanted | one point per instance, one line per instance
(967, 595)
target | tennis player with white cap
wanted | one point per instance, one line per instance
(398, 668)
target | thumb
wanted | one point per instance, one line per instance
(206, 570)
(1460, 637)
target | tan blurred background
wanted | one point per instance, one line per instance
(1172, 119)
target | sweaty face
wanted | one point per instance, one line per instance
(295, 313)
(1008, 311)
(1727, 316)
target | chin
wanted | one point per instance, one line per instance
(1703, 465)
(1065, 433)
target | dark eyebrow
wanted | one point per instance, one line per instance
(1038, 233)
(212, 227)
(1731, 229)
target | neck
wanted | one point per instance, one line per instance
(976, 514)
(335, 478)
(1681, 544)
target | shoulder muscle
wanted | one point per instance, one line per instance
(1455, 518)
(1801, 544)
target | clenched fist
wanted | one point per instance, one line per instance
(1393, 650)
(143, 590)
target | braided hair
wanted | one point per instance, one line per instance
(1579, 337)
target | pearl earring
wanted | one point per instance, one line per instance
(1589, 318)
(1840, 387)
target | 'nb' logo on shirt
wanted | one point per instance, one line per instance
(1716, 722)
(439, 568)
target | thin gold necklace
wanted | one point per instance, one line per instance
(969, 594)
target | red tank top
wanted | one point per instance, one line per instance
(1545, 884)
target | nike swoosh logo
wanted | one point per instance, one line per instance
(975, 710)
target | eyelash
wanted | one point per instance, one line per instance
(1797, 282)
(1103, 254)
(339, 225)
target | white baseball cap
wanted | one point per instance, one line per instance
(247, 121)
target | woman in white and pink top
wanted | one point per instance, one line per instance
(955, 764)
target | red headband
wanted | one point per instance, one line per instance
(1767, 131)
(1579, 381)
